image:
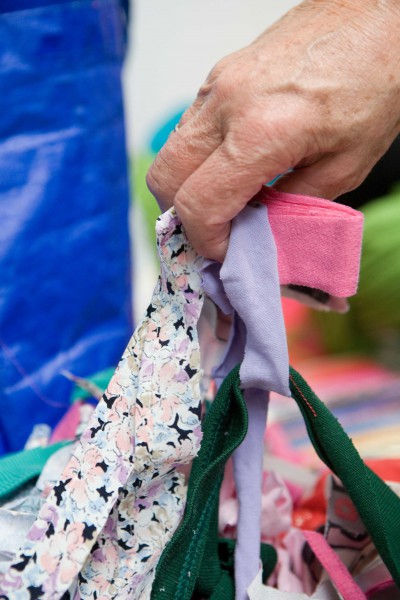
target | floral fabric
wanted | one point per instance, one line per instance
(120, 498)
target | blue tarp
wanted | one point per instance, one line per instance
(65, 298)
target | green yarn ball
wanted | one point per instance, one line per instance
(142, 196)
(373, 323)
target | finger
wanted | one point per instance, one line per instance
(202, 95)
(329, 177)
(216, 192)
(193, 109)
(186, 149)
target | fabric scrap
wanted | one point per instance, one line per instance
(318, 241)
(120, 497)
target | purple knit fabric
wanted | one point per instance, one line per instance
(247, 470)
(247, 286)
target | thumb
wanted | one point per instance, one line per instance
(329, 177)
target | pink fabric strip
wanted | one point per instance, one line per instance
(66, 428)
(318, 241)
(339, 575)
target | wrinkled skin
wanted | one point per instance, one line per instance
(318, 93)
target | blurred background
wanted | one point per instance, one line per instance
(75, 146)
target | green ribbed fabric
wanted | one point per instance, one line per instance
(195, 562)
(224, 428)
(20, 467)
(377, 505)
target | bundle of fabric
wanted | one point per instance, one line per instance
(122, 521)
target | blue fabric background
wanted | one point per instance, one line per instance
(65, 298)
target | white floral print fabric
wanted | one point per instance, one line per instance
(120, 498)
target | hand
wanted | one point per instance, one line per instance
(318, 93)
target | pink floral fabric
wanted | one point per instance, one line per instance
(120, 498)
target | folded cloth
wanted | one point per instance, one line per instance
(318, 241)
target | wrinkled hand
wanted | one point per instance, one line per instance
(318, 92)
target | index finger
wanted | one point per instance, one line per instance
(185, 151)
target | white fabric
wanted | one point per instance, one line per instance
(258, 591)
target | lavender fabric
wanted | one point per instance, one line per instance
(247, 286)
(247, 470)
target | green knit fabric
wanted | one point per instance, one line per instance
(196, 563)
(225, 588)
(377, 505)
(19, 468)
(226, 556)
(225, 427)
(210, 571)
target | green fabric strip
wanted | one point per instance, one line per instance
(178, 570)
(196, 564)
(19, 468)
(377, 505)
(195, 561)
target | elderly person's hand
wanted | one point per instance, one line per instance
(317, 93)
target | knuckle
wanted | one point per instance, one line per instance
(183, 202)
(158, 178)
(227, 84)
(153, 179)
(203, 92)
(213, 79)
(219, 68)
